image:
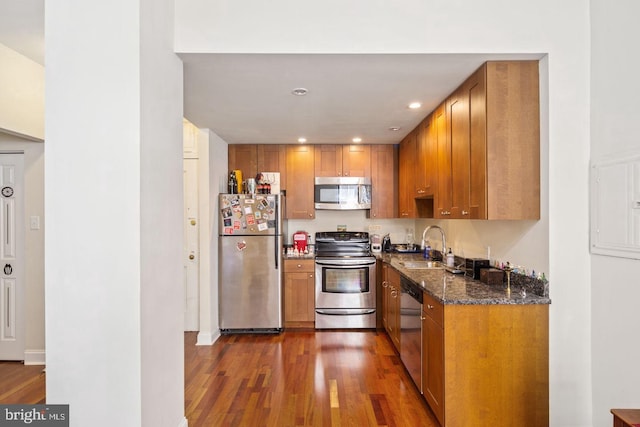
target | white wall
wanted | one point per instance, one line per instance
(34, 242)
(559, 29)
(213, 152)
(21, 95)
(113, 265)
(161, 218)
(614, 129)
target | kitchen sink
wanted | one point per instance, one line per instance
(422, 265)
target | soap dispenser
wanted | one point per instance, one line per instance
(451, 260)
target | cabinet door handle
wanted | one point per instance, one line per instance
(384, 284)
(310, 276)
(299, 265)
(465, 212)
(430, 307)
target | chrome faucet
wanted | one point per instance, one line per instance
(444, 240)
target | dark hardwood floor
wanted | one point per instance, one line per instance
(21, 384)
(324, 378)
(307, 378)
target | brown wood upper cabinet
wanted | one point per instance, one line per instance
(254, 158)
(384, 181)
(489, 165)
(300, 193)
(406, 176)
(273, 158)
(426, 168)
(343, 160)
(243, 157)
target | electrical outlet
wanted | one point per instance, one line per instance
(375, 227)
(34, 222)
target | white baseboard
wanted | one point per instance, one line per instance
(184, 423)
(207, 338)
(34, 357)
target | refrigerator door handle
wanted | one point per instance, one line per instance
(275, 240)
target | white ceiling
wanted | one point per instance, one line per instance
(246, 98)
(22, 27)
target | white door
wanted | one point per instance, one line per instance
(191, 246)
(12, 340)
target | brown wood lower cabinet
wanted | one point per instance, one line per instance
(486, 365)
(391, 303)
(433, 355)
(299, 293)
(625, 417)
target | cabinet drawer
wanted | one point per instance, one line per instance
(291, 265)
(433, 308)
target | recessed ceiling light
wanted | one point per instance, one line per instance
(302, 140)
(415, 105)
(357, 139)
(299, 91)
(394, 128)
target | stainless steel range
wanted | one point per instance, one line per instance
(345, 280)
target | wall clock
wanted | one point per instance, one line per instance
(7, 191)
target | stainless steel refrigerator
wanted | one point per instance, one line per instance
(250, 242)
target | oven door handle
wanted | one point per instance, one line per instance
(345, 263)
(351, 312)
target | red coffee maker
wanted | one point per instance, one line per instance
(300, 240)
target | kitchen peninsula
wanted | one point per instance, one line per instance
(485, 350)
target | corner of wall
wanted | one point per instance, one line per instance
(35, 357)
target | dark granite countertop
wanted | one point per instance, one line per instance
(451, 288)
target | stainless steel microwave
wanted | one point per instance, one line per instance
(342, 193)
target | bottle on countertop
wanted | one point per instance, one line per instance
(233, 183)
(451, 260)
(426, 253)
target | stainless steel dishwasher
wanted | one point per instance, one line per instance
(411, 329)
